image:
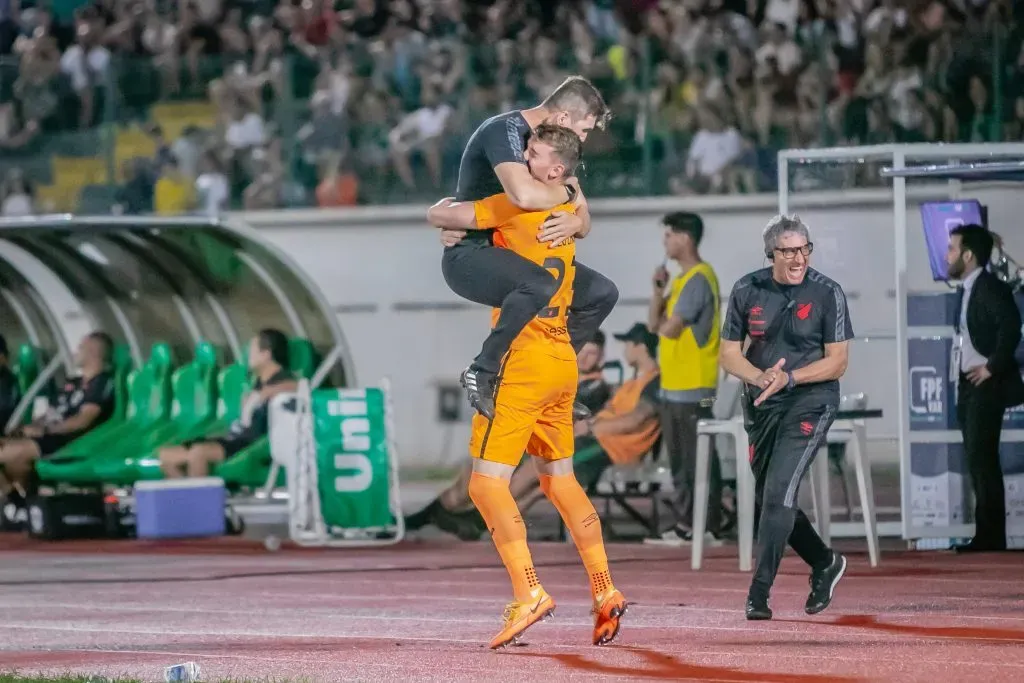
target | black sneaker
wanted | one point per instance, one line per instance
(479, 386)
(581, 412)
(823, 584)
(758, 610)
(418, 520)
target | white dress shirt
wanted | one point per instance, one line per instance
(969, 356)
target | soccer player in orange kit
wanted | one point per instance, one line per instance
(534, 403)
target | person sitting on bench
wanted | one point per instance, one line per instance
(625, 430)
(268, 359)
(84, 403)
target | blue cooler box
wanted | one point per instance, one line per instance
(180, 508)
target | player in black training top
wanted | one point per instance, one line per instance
(494, 162)
(799, 330)
(84, 403)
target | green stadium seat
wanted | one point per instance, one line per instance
(232, 385)
(302, 357)
(248, 468)
(148, 407)
(27, 364)
(193, 410)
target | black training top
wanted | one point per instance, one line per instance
(255, 419)
(498, 140)
(10, 394)
(76, 393)
(788, 321)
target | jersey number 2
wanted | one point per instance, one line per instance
(557, 265)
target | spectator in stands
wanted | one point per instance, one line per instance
(420, 131)
(173, 193)
(338, 186)
(715, 149)
(687, 320)
(16, 195)
(212, 190)
(135, 196)
(10, 389)
(84, 403)
(326, 134)
(453, 511)
(268, 361)
(87, 65)
(163, 154)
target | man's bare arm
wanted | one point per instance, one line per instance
(624, 424)
(527, 192)
(832, 366)
(450, 214)
(730, 357)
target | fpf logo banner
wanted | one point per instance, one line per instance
(932, 403)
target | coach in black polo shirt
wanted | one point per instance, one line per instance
(799, 330)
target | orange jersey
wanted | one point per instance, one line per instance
(517, 231)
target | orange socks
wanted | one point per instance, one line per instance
(581, 519)
(496, 505)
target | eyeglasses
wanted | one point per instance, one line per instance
(789, 253)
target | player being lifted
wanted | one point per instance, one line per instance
(493, 163)
(534, 403)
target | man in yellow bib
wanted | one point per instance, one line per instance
(687, 321)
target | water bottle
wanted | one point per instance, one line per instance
(182, 673)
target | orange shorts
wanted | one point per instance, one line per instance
(532, 410)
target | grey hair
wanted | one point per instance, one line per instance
(780, 225)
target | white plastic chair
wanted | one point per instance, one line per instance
(724, 423)
(852, 434)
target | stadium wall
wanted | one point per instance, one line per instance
(379, 267)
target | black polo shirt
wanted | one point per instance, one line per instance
(498, 140)
(788, 321)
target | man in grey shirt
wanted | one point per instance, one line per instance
(686, 318)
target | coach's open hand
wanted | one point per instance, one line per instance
(771, 381)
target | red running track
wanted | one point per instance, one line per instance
(424, 611)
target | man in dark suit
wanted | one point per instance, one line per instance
(987, 334)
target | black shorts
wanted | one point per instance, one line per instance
(232, 445)
(51, 443)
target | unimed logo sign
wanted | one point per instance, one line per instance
(353, 469)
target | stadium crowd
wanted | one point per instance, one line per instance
(334, 103)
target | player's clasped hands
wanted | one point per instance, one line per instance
(771, 381)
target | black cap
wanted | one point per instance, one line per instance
(639, 334)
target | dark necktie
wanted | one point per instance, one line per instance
(959, 308)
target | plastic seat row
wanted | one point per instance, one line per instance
(157, 406)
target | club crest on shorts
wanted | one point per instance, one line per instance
(806, 428)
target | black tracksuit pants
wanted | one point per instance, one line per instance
(784, 439)
(979, 412)
(488, 275)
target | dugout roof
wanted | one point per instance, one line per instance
(145, 280)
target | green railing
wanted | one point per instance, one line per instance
(82, 153)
